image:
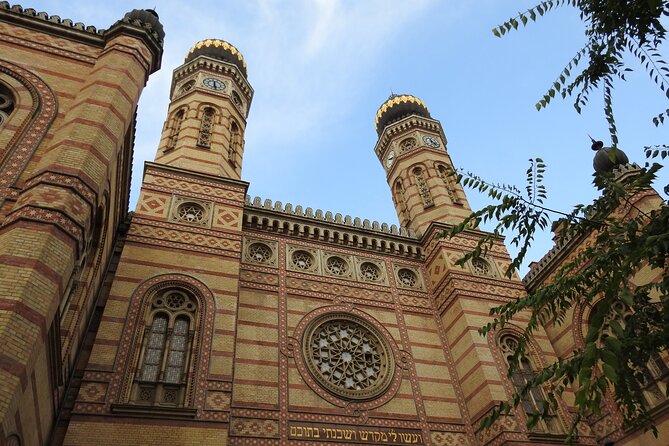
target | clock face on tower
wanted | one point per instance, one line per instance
(390, 158)
(214, 84)
(431, 141)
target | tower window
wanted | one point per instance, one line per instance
(424, 191)
(401, 203)
(7, 104)
(176, 128)
(206, 128)
(407, 144)
(235, 142)
(168, 338)
(447, 177)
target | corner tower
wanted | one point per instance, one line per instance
(210, 98)
(412, 150)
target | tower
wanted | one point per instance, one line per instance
(210, 98)
(412, 150)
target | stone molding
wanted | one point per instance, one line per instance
(324, 227)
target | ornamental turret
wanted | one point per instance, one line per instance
(210, 99)
(412, 150)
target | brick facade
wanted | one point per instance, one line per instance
(84, 287)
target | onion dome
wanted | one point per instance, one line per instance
(148, 16)
(607, 158)
(399, 106)
(218, 49)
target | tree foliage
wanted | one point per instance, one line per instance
(623, 237)
(614, 29)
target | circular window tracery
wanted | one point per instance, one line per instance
(190, 213)
(302, 260)
(370, 272)
(481, 267)
(407, 278)
(336, 266)
(260, 253)
(348, 356)
(407, 144)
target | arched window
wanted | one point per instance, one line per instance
(523, 372)
(176, 128)
(206, 128)
(161, 377)
(446, 176)
(655, 373)
(235, 142)
(7, 103)
(422, 187)
(401, 203)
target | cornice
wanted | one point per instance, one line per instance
(51, 23)
(216, 66)
(265, 216)
(237, 184)
(404, 125)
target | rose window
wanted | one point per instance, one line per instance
(407, 144)
(191, 213)
(370, 272)
(348, 356)
(407, 278)
(302, 260)
(336, 266)
(481, 267)
(174, 300)
(260, 253)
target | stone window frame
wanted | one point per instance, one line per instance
(420, 283)
(420, 175)
(208, 120)
(315, 254)
(160, 389)
(530, 364)
(179, 200)
(488, 262)
(128, 356)
(273, 245)
(184, 87)
(349, 273)
(400, 360)
(381, 265)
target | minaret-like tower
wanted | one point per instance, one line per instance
(412, 150)
(210, 100)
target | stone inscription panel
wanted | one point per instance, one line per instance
(354, 434)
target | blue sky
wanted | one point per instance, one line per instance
(321, 69)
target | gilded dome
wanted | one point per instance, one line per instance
(397, 107)
(218, 49)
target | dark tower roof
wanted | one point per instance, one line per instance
(218, 49)
(149, 16)
(607, 158)
(397, 107)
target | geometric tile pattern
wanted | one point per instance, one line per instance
(449, 439)
(252, 427)
(152, 204)
(217, 400)
(227, 218)
(184, 237)
(92, 392)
